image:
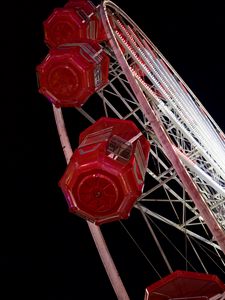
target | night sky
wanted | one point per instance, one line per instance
(46, 252)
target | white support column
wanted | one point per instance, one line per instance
(96, 233)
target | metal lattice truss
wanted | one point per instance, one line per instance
(164, 197)
(196, 138)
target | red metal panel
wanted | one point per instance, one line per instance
(86, 5)
(100, 183)
(125, 129)
(78, 21)
(68, 76)
(185, 285)
(95, 28)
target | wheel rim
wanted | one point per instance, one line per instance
(163, 187)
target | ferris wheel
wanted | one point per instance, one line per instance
(150, 144)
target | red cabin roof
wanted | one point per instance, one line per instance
(185, 285)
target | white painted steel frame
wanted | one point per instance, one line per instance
(179, 149)
(98, 238)
(164, 104)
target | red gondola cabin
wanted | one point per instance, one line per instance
(77, 21)
(105, 175)
(68, 76)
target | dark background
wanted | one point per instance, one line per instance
(47, 253)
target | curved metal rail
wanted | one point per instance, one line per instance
(185, 180)
(187, 134)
